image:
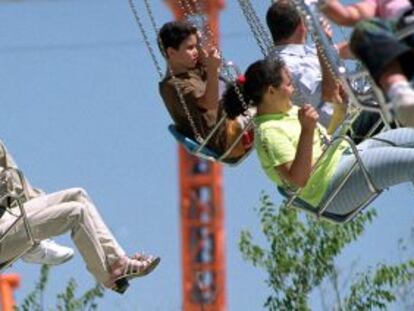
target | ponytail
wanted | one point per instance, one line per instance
(260, 75)
(235, 100)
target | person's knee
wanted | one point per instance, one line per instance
(78, 193)
(78, 211)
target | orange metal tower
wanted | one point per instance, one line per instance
(201, 203)
(7, 283)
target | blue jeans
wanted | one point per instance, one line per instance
(388, 158)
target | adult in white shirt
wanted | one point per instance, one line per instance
(289, 35)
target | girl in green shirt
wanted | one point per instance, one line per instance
(289, 142)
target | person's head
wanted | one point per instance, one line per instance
(284, 21)
(266, 82)
(178, 43)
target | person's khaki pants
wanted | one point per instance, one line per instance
(56, 213)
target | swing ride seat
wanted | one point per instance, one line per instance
(301, 204)
(206, 153)
(192, 146)
(292, 199)
(13, 194)
(232, 72)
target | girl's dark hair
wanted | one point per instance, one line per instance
(258, 77)
(172, 34)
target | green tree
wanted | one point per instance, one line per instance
(405, 292)
(300, 254)
(66, 301)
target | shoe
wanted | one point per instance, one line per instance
(48, 252)
(150, 262)
(127, 268)
(403, 104)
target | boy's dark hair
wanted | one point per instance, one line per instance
(172, 34)
(282, 19)
(258, 77)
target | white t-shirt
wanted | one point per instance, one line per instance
(303, 63)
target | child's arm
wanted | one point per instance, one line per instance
(298, 171)
(348, 15)
(211, 61)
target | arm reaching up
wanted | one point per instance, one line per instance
(348, 15)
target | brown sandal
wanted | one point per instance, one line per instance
(128, 268)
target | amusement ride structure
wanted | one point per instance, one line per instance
(201, 182)
(201, 204)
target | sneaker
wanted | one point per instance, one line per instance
(48, 252)
(402, 99)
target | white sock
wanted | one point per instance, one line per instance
(398, 88)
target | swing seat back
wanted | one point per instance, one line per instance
(14, 192)
(191, 145)
(206, 153)
(13, 195)
(302, 205)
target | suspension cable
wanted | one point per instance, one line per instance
(134, 10)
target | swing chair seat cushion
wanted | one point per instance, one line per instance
(190, 144)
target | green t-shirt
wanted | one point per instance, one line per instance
(277, 138)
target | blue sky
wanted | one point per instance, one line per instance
(80, 107)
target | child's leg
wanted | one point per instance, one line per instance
(389, 60)
(387, 166)
(108, 242)
(374, 43)
(393, 73)
(401, 137)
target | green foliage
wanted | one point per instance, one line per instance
(34, 300)
(300, 253)
(66, 301)
(405, 292)
(376, 289)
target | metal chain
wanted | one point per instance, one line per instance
(259, 25)
(153, 23)
(187, 9)
(247, 12)
(258, 29)
(134, 10)
(145, 37)
(330, 58)
(252, 27)
(197, 135)
(236, 86)
(206, 28)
